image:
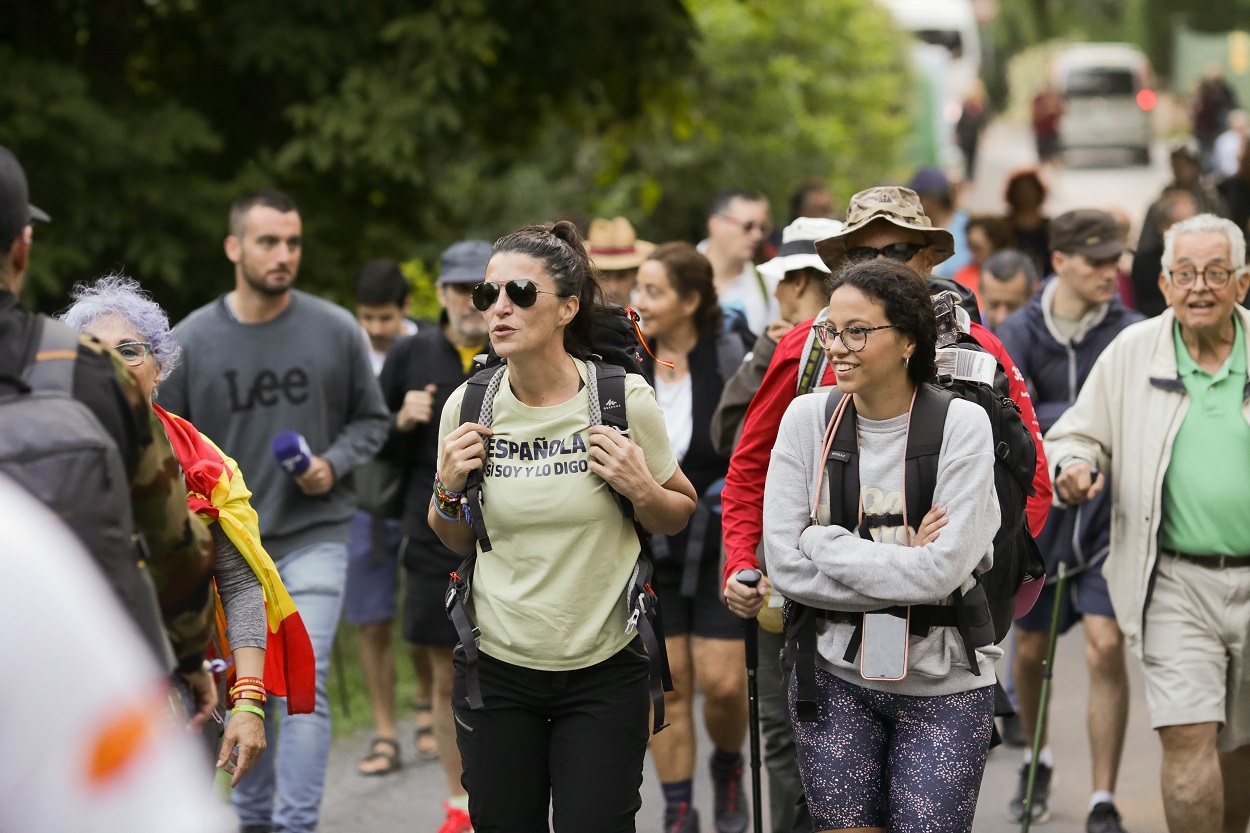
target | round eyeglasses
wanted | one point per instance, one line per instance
(853, 338)
(1216, 277)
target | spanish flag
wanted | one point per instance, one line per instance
(216, 492)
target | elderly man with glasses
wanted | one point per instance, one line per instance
(1165, 412)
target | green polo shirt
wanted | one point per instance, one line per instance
(1206, 490)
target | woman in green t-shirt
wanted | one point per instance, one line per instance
(563, 679)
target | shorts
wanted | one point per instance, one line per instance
(372, 569)
(1084, 594)
(703, 614)
(1196, 648)
(425, 596)
(905, 763)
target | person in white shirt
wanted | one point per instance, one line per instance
(106, 756)
(737, 221)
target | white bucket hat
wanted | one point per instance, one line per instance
(798, 248)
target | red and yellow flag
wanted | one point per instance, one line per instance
(216, 492)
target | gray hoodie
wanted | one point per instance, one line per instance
(833, 568)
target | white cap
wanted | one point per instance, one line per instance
(798, 248)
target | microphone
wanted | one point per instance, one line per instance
(292, 452)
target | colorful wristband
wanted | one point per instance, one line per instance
(248, 707)
(259, 696)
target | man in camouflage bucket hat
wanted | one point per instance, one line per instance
(178, 545)
(888, 221)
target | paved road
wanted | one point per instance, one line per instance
(409, 800)
(1093, 179)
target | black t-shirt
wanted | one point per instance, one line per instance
(427, 358)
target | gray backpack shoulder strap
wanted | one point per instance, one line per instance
(53, 367)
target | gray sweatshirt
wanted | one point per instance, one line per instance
(833, 568)
(305, 371)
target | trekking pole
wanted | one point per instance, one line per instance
(1044, 701)
(751, 633)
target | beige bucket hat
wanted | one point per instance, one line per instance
(894, 204)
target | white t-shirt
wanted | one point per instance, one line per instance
(376, 359)
(550, 595)
(1227, 152)
(676, 400)
(750, 295)
(89, 741)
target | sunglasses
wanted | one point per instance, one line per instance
(901, 252)
(749, 226)
(522, 293)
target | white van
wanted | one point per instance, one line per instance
(1108, 98)
(951, 25)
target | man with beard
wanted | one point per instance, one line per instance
(419, 376)
(259, 362)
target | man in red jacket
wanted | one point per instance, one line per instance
(881, 222)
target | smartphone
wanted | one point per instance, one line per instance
(883, 654)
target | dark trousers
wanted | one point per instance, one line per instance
(568, 745)
(784, 786)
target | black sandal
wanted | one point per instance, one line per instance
(424, 732)
(378, 752)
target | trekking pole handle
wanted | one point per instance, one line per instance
(751, 578)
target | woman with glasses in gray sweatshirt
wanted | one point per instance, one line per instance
(902, 723)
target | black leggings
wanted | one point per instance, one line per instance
(572, 739)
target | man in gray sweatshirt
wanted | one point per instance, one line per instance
(259, 362)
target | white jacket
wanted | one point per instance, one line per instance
(1124, 422)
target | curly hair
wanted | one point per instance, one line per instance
(908, 306)
(690, 273)
(560, 248)
(121, 295)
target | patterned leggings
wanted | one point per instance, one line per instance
(908, 764)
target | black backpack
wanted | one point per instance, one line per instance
(982, 616)
(615, 345)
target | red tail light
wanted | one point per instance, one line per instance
(1146, 99)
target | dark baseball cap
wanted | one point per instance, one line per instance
(464, 262)
(16, 212)
(1089, 232)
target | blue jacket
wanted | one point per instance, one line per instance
(1055, 370)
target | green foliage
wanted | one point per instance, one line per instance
(400, 126)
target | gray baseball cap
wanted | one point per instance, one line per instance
(16, 212)
(464, 262)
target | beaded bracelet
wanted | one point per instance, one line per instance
(445, 494)
(248, 707)
(438, 507)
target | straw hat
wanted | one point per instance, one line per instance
(612, 244)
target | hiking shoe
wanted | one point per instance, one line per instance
(1041, 794)
(731, 804)
(457, 820)
(1013, 732)
(681, 818)
(1104, 818)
